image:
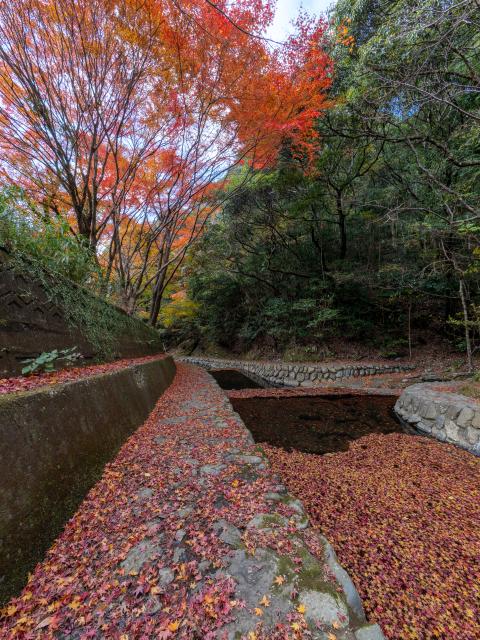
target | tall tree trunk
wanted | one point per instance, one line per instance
(410, 331)
(157, 297)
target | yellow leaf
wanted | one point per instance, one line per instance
(21, 621)
(265, 601)
(296, 626)
(336, 624)
(155, 590)
(11, 610)
(279, 580)
(173, 626)
(258, 611)
(75, 604)
(252, 635)
(331, 636)
(235, 483)
(301, 608)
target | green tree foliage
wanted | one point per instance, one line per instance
(48, 242)
(46, 251)
(385, 234)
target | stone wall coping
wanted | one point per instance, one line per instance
(430, 390)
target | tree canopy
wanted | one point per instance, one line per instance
(383, 231)
(123, 117)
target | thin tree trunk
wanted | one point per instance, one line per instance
(410, 330)
(466, 323)
(157, 297)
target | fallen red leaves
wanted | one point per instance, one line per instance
(403, 514)
(401, 511)
(308, 392)
(143, 557)
(22, 383)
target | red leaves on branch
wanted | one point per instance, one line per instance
(93, 92)
(125, 117)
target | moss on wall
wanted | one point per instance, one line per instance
(40, 311)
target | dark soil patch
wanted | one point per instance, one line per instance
(317, 424)
(229, 379)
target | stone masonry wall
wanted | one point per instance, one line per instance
(298, 374)
(449, 417)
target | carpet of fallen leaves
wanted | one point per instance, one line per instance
(403, 513)
(143, 558)
(28, 383)
(308, 392)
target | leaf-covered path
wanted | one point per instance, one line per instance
(403, 514)
(188, 535)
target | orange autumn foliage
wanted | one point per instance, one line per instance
(124, 116)
(191, 64)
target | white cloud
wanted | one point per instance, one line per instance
(287, 10)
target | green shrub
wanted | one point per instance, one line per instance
(26, 232)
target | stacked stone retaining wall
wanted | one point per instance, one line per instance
(449, 417)
(298, 374)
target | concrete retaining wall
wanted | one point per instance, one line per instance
(298, 374)
(54, 444)
(449, 417)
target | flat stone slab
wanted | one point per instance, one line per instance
(370, 632)
(144, 551)
(189, 534)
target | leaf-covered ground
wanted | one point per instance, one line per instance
(403, 514)
(310, 392)
(28, 383)
(160, 546)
